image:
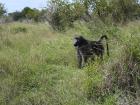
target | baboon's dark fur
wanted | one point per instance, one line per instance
(89, 49)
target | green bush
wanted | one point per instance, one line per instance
(20, 29)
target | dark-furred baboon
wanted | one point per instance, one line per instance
(89, 49)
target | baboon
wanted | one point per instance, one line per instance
(89, 49)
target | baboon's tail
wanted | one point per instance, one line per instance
(102, 37)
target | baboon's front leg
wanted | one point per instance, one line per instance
(101, 56)
(83, 60)
(79, 59)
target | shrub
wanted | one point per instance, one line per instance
(20, 29)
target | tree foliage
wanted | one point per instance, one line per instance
(62, 13)
(26, 13)
(16, 15)
(2, 9)
(65, 13)
(122, 10)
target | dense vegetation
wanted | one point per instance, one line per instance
(63, 13)
(38, 64)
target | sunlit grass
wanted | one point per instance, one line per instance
(38, 65)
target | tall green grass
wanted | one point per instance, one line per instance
(38, 65)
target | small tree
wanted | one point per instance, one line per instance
(2, 9)
(16, 15)
(28, 13)
(63, 13)
(122, 10)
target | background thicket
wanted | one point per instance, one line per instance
(38, 64)
(62, 13)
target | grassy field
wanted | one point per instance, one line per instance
(38, 65)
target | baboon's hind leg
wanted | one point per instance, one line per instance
(79, 61)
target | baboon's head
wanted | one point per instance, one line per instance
(80, 41)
